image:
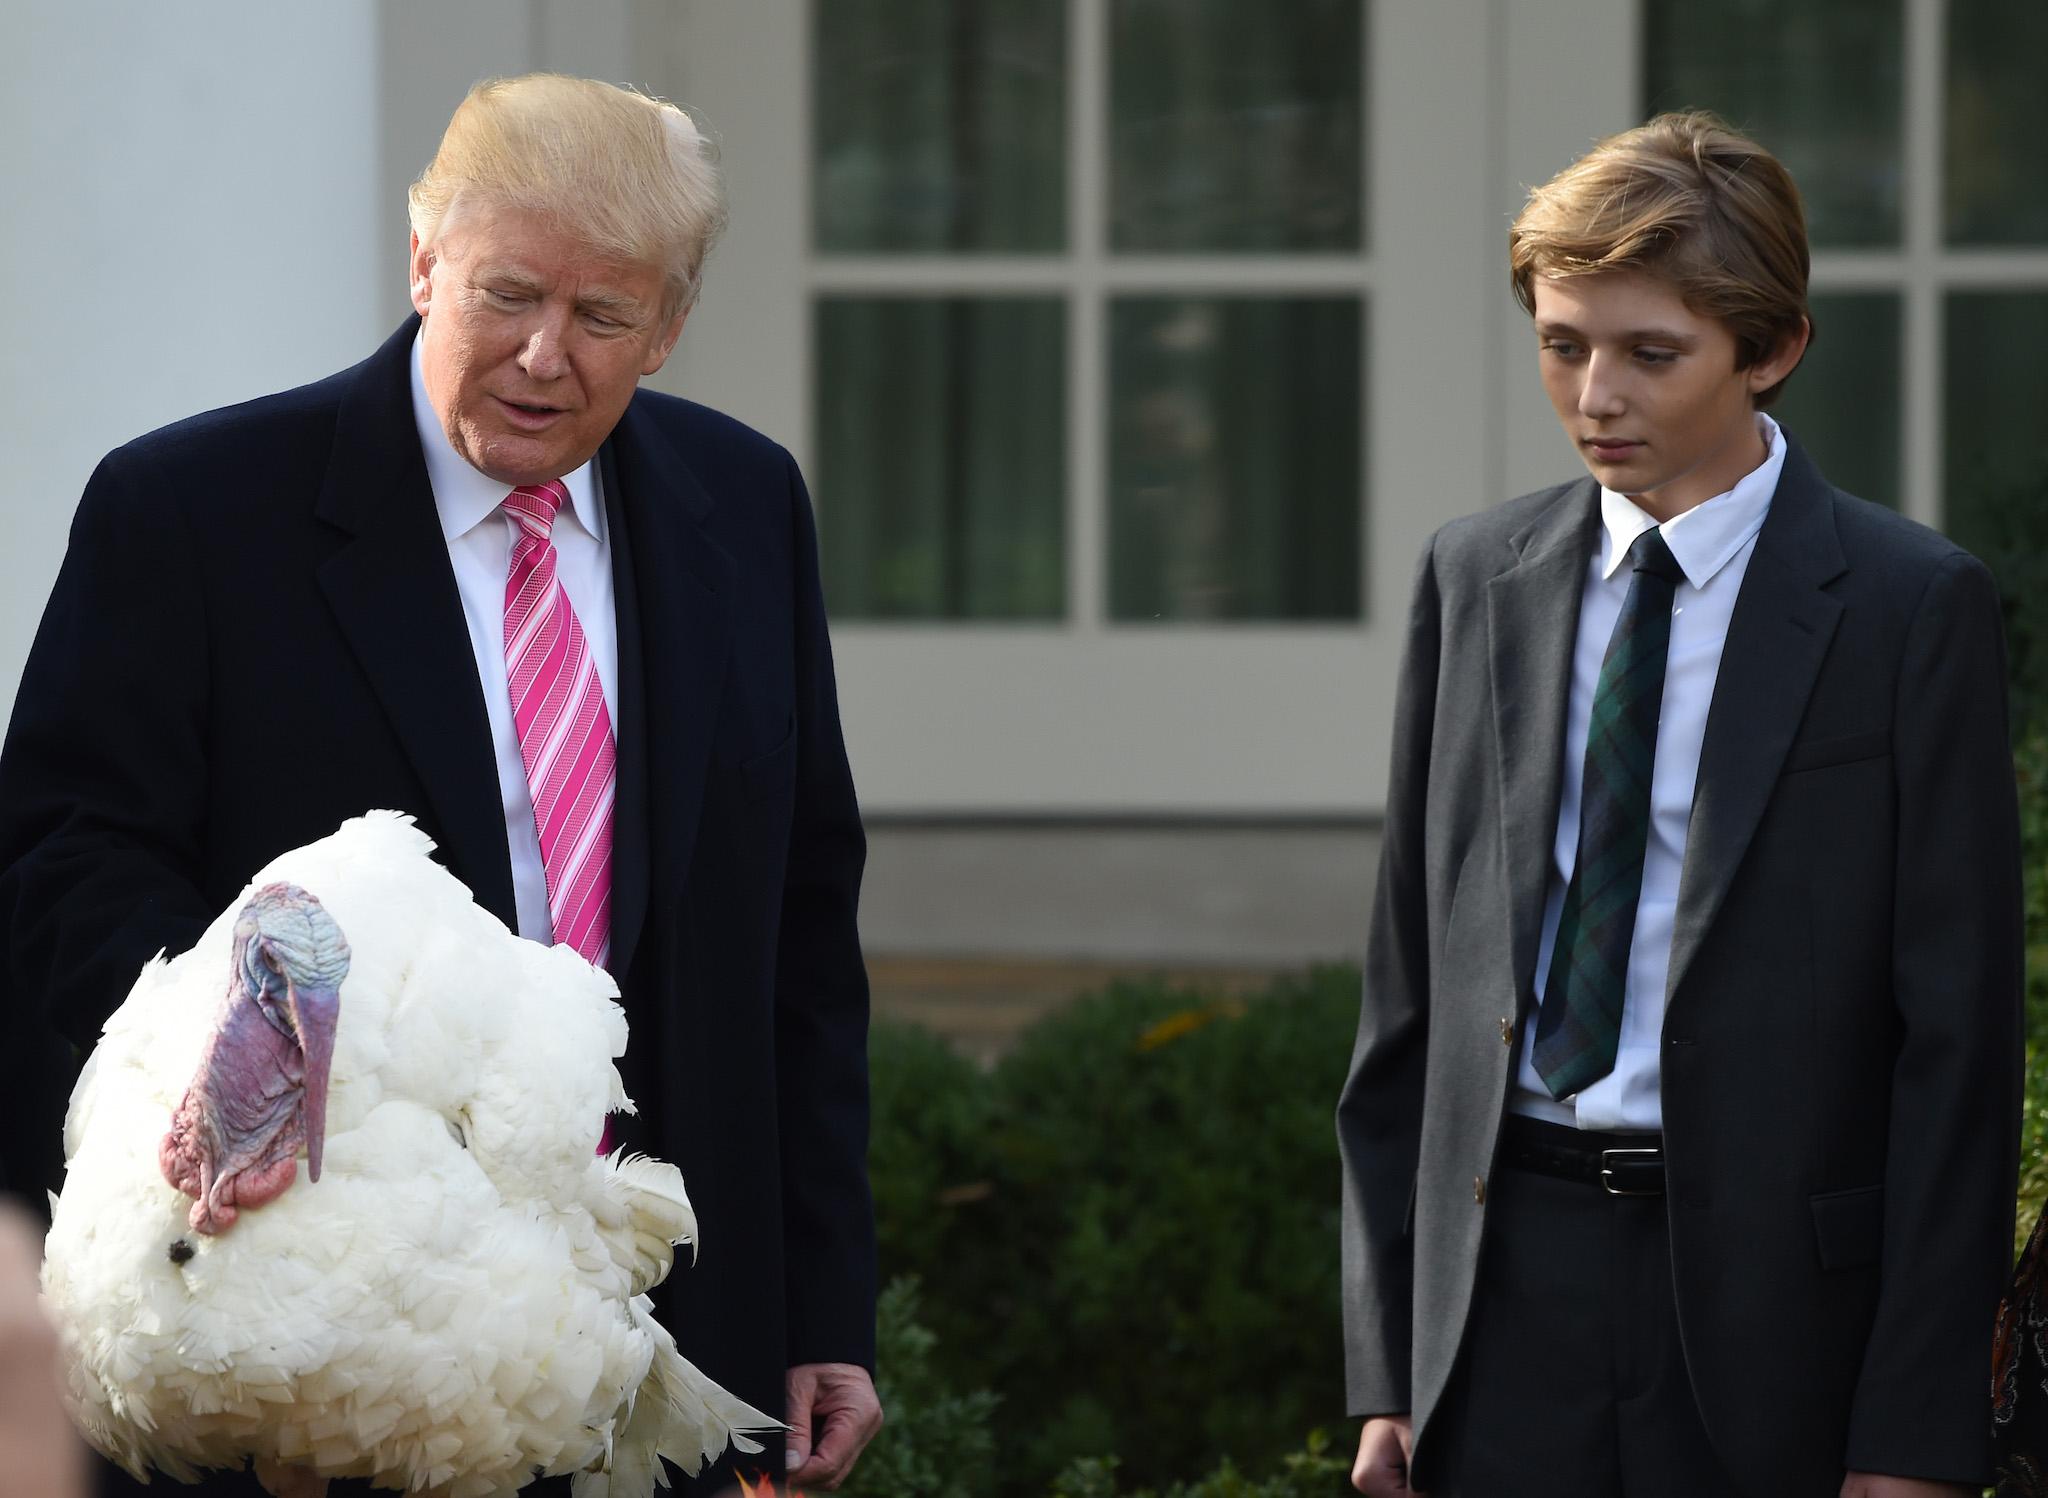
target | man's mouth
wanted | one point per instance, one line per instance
(1611, 449)
(529, 414)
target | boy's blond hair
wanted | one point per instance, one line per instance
(1691, 200)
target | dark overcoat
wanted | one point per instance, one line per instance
(256, 635)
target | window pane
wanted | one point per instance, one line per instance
(942, 457)
(940, 125)
(1994, 438)
(1236, 125)
(1234, 458)
(1818, 83)
(1997, 170)
(1843, 401)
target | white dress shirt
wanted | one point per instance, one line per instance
(1712, 542)
(480, 536)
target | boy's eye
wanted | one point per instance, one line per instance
(1656, 356)
(1563, 348)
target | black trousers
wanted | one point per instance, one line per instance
(1571, 1382)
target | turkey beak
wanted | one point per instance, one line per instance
(314, 1012)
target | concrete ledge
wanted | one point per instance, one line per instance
(1206, 894)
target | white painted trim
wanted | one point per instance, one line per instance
(1955, 270)
(1087, 538)
(1920, 350)
(993, 274)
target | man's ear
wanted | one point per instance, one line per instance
(421, 263)
(658, 352)
(1779, 363)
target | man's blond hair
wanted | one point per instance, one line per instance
(1691, 200)
(631, 176)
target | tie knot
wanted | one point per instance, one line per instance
(535, 506)
(1651, 554)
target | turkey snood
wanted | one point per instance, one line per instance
(260, 1094)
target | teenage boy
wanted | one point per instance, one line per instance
(1680, 1134)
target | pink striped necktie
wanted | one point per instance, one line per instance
(565, 732)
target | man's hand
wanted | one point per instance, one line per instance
(1877, 1485)
(39, 1456)
(1381, 1470)
(833, 1414)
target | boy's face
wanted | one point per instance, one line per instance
(1647, 389)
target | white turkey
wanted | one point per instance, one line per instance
(451, 1296)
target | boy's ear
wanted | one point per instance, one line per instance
(1781, 360)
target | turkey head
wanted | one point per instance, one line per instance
(261, 1090)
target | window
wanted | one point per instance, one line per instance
(1087, 284)
(1910, 126)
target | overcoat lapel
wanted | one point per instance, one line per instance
(392, 589)
(1532, 623)
(629, 810)
(683, 593)
(1777, 638)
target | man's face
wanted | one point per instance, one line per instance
(532, 342)
(1648, 389)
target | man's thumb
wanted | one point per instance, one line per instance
(797, 1412)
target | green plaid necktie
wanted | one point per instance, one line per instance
(1579, 1026)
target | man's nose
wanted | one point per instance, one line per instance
(1604, 392)
(542, 355)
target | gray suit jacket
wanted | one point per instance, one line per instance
(1842, 1051)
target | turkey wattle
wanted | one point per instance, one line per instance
(261, 1092)
(453, 1300)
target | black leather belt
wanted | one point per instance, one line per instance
(1619, 1164)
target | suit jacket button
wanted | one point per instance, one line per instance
(1479, 1190)
(1507, 1032)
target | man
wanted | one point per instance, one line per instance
(577, 630)
(1680, 1134)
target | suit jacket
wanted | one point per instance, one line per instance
(256, 634)
(1841, 1051)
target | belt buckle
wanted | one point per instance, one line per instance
(1607, 1159)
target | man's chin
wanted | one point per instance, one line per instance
(513, 458)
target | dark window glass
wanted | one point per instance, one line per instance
(939, 125)
(1236, 125)
(1234, 457)
(1818, 83)
(1995, 415)
(1996, 161)
(942, 456)
(1842, 403)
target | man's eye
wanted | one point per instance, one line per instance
(503, 298)
(1561, 348)
(1656, 356)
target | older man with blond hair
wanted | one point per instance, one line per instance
(275, 616)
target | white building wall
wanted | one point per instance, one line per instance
(189, 222)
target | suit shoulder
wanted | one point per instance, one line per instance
(700, 431)
(234, 438)
(1482, 534)
(1897, 550)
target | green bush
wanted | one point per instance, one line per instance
(1136, 1242)
(2031, 761)
(935, 1441)
(2006, 525)
(928, 1153)
(1307, 1473)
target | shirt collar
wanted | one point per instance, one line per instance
(466, 498)
(1706, 537)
